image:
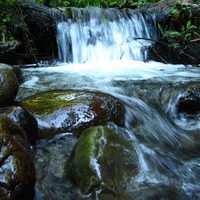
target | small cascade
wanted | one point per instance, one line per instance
(97, 34)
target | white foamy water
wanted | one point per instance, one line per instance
(96, 34)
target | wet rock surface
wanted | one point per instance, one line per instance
(51, 158)
(190, 102)
(17, 171)
(72, 111)
(102, 161)
(8, 85)
(24, 119)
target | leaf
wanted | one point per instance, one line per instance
(174, 34)
(113, 3)
(188, 36)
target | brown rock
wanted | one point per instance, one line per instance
(24, 119)
(73, 111)
(17, 172)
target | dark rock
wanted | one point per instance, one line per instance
(24, 119)
(18, 72)
(177, 43)
(102, 161)
(7, 50)
(190, 102)
(17, 172)
(39, 39)
(187, 55)
(9, 46)
(15, 131)
(72, 111)
(8, 85)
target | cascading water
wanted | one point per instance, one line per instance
(99, 53)
(96, 34)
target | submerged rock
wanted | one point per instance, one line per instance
(102, 161)
(8, 85)
(17, 171)
(24, 119)
(72, 111)
(190, 102)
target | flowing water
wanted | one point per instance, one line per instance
(96, 34)
(96, 54)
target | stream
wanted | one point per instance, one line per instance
(166, 141)
(150, 92)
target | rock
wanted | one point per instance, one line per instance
(162, 52)
(190, 102)
(39, 40)
(187, 2)
(24, 119)
(72, 111)
(50, 158)
(9, 46)
(8, 85)
(102, 161)
(17, 133)
(17, 172)
(176, 44)
(17, 70)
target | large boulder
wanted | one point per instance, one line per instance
(8, 85)
(104, 162)
(72, 111)
(17, 171)
(24, 119)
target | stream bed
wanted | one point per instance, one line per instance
(167, 142)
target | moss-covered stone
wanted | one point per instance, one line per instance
(102, 160)
(72, 111)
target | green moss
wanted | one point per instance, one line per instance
(85, 174)
(46, 103)
(102, 159)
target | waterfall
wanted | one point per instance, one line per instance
(98, 34)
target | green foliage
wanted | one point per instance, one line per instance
(56, 3)
(99, 3)
(5, 19)
(12, 23)
(185, 29)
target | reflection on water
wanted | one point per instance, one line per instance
(167, 144)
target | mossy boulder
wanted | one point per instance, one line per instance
(24, 119)
(72, 111)
(102, 161)
(17, 171)
(8, 85)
